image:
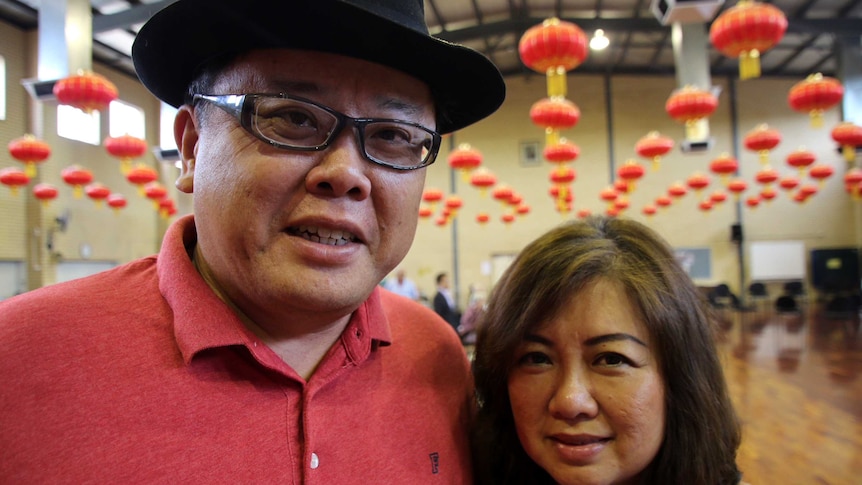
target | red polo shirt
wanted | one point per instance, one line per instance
(141, 374)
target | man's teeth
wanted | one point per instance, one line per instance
(325, 235)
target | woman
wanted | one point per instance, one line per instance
(595, 364)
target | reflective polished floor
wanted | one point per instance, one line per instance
(796, 381)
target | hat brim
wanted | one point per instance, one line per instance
(172, 46)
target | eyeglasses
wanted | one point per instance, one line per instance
(293, 123)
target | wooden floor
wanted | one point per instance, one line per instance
(796, 382)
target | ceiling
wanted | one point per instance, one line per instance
(640, 43)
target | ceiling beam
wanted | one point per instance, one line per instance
(127, 18)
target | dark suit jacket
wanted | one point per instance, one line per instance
(451, 315)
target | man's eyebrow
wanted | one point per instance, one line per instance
(304, 88)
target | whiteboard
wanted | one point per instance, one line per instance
(777, 260)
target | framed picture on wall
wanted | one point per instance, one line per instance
(530, 156)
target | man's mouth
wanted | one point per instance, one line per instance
(322, 235)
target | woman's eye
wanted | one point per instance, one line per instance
(534, 358)
(613, 360)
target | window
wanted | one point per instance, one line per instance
(126, 119)
(166, 127)
(74, 124)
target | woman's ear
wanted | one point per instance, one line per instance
(186, 136)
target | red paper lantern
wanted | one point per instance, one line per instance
(77, 177)
(663, 201)
(689, 105)
(97, 192)
(745, 31)
(705, 205)
(126, 148)
(453, 203)
(141, 175)
(852, 181)
(552, 48)
(649, 210)
(432, 196)
(86, 91)
(752, 201)
(698, 182)
(584, 213)
(425, 212)
(737, 186)
(677, 190)
(808, 190)
(483, 218)
(562, 152)
(563, 175)
(718, 197)
(724, 166)
(788, 183)
(653, 146)
(554, 114)
(13, 178)
(621, 186)
(801, 159)
(508, 218)
(522, 209)
(441, 221)
(767, 194)
(167, 207)
(815, 95)
(155, 192)
(761, 140)
(116, 201)
(849, 136)
(621, 204)
(29, 150)
(766, 176)
(45, 193)
(503, 193)
(820, 173)
(631, 172)
(482, 178)
(612, 212)
(609, 195)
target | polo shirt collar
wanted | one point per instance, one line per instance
(203, 321)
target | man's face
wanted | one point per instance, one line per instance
(267, 218)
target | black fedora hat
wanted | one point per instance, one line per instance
(172, 46)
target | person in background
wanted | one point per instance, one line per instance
(402, 285)
(471, 316)
(257, 346)
(444, 302)
(595, 363)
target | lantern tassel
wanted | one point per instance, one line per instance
(816, 118)
(656, 162)
(30, 169)
(749, 64)
(78, 191)
(552, 136)
(849, 152)
(556, 79)
(764, 157)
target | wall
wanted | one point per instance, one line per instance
(830, 219)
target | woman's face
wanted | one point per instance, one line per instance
(587, 394)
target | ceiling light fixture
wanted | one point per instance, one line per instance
(599, 41)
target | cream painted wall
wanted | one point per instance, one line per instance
(830, 219)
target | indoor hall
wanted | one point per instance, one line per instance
(794, 375)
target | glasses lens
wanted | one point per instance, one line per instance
(291, 122)
(398, 143)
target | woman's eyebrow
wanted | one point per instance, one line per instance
(614, 337)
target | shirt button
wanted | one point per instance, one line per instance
(315, 462)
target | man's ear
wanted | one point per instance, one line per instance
(186, 136)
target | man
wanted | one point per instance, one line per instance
(402, 285)
(256, 347)
(444, 303)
